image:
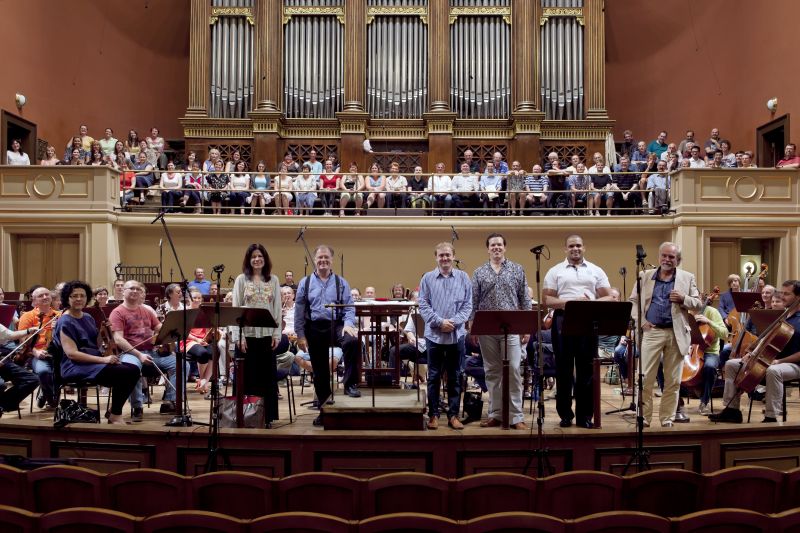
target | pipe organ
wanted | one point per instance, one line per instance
(424, 77)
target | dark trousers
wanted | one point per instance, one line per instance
(122, 378)
(445, 357)
(318, 335)
(199, 354)
(24, 384)
(573, 353)
(259, 374)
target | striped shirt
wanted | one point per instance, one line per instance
(445, 298)
(536, 184)
(660, 311)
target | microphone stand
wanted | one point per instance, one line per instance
(543, 466)
(631, 346)
(161, 260)
(641, 455)
(214, 448)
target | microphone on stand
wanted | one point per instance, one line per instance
(623, 271)
(218, 268)
(538, 249)
(454, 234)
(159, 217)
(302, 232)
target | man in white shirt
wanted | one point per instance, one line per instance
(465, 186)
(440, 186)
(696, 161)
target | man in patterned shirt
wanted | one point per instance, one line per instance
(500, 285)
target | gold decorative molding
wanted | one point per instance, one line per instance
(483, 129)
(504, 12)
(353, 126)
(310, 129)
(217, 128)
(217, 12)
(575, 130)
(292, 11)
(388, 130)
(563, 12)
(397, 11)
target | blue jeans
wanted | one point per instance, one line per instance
(710, 367)
(167, 365)
(43, 368)
(445, 357)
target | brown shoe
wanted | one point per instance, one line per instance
(490, 423)
(433, 422)
(455, 423)
(519, 425)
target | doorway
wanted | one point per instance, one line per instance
(14, 127)
(771, 139)
(45, 260)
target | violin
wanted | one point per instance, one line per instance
(105, 337)
(26, 347)
(692, 372)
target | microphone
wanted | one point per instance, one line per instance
(159, 217)
(218, 268)
(640, 252)
(455, 233)
(537, 249)
(160, 241)
(300, 235)
(623, 271)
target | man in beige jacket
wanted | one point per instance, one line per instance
(666, 292)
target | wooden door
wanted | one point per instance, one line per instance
(46, 260)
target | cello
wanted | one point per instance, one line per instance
(767, 348)
(741, 339)
(692, 372)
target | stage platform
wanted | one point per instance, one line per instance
(289, 448)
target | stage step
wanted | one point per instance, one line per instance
(395, 409)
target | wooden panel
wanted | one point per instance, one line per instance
(614, 460)
(31, 262)
(365, 463)
(477, 462)
(780, 455)
(270, 463)
(724, 261)
(105, 457)
(21, 447)
(66, 257)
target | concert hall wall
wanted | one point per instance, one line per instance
(678, 65)
(106, 64)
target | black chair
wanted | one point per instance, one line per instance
(80, 385)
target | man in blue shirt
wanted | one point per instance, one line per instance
(313, 324)
(200, 282)
(445, 303)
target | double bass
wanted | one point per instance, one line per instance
(692, 372)
(741, 339)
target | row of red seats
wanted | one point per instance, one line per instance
(86, 519)
(145, 492)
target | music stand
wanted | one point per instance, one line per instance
(504, 323)
(745, 301)
(591, 319)
(242, 317)
(763, 318)
(7, 314)
(176, 326)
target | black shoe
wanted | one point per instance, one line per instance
(331, 402)
(40, 401)
(138, 414)
(167, 408)
(318, 421)
(353, 392)
(1, 412)
(729, 414)
(586, 424)
(565, 423)
(768, 419)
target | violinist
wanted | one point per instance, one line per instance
(24, 382)
(711, 359)
(76, 334)
(101, 296)
(198, 348)
(785, 367)
(173, 301)
(41, 315)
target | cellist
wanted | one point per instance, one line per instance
(785, 367)
(711, 360)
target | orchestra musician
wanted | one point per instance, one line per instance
(198, 348)
(76, 334)
(24, 382)
(666, 291)
(134, 325)
(784, 368)
(711, 357)
(258, 287)
(726, 299)
(41, 362)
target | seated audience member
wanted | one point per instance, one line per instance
(557, 178)
(728, 157)
(84, 137)
(94, 149)
(659, 145)
(747, 161)
(96, 159)
(305, 184)
(50, 158)
(548, 163)
(396, 186)
(695, 161)
(537, 185)
(132, 144)
(716, 160)
(15, 155)
(192, 188)
(673, 162)
(144, 177)
(628, 144)
(127, 181)
(75, 158)
(440, 185)
(156, 146)
(76, 336)
(369, 292)
(69, 155)
(284, 185)
(351, 185)
(170, 185)
(210, 164)
(672, 150)
(683, 147)
(375, 185)
(638, 159)
(658, 185)
(598, 165)
(108, 142)
(574, 161)
(603, 183)
(490, 185)
(417, 187)
(515, 185)
(42, 314)
(328, 184)
(472, 163)
(240, 187)
(464, 190)
(230, 166)
(579, 185)
(289, 164)
(261, 184)
(790, 158)
(627, 182)
(219, 182)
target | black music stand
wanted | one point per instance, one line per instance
(242, 317)
(763, 318)
(504, 323)
(745, 301)
(175, 328)
(594, 318)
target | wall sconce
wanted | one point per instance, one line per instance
(20, 100)
(772, 104)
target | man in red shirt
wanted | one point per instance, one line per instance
(790, 160)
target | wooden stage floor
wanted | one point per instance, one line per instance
(299, 446)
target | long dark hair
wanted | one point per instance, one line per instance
(266, 272)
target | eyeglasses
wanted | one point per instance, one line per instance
(135, 289)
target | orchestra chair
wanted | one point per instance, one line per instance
(664, 492)
(16, 520)
(166, 491)
(88, 520)
(786, 522)
(596, 492)
(12, 482)
(725, 520)
(300, 522)
(55, 487)
(401, 492)
(621, 522)
(409, 523)
(755, 488)
(193, 521)
(515, 522)
(241, 494)
(786, 384)
(492, 492)
(80, 385)
(326, 493)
